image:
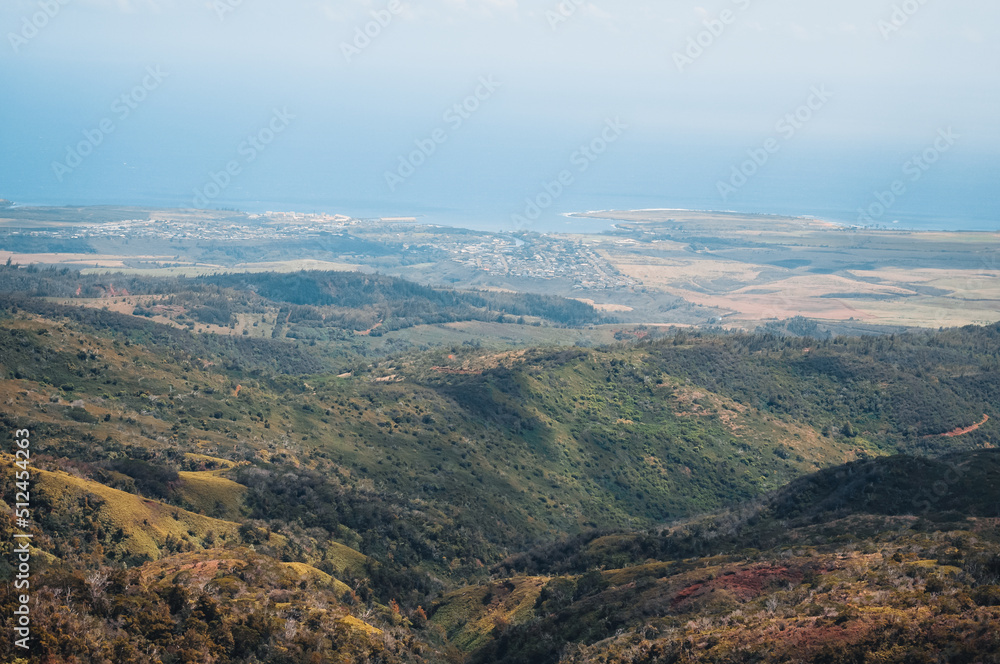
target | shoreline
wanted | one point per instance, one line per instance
(596, 215)
(833, 224)
(593, 214)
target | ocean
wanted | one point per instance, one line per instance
(527, 183)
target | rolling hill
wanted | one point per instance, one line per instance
(653, 500)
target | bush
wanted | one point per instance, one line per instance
(987, 596)
(81, 415)
(151, 480)
(250, 534)
(935, 584)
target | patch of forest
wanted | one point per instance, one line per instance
(307, 303)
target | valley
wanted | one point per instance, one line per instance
(374, 332)
(404, 474)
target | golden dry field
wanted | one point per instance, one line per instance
(756, 268)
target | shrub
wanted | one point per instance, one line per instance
(80, 414)
(153, 481)
(987, 596)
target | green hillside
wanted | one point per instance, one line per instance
(854, 564)
(495, 491)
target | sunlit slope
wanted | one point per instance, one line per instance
(850, 563)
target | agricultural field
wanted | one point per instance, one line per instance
(657, 267)
(755, 268)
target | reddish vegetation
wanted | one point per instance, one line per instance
(961, 432)
(806, 637)
(236, 392)
(745, 584)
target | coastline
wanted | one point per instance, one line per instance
(633, 216)
(832, 224)
(612, 216)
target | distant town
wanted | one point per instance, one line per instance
(522, 255)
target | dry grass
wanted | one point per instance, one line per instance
(608, 307)
(681, 274)
(344, 558)
(470, 615)
(211, 494)
(76, 260)
(146, 523)
(317, 577)
(296, 266)
(356, 625)
(225, 463)
(886, 297)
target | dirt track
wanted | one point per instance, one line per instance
(961, 432)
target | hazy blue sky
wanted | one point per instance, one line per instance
(229, 64)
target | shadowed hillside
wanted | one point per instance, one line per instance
(527, 504)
